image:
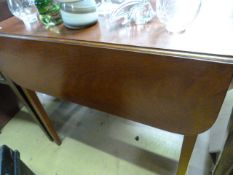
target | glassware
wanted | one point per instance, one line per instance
(78, 13)
(24, 10)
(176, 15)
(49, 13)
(133, 11)
(122, 12)
(105, 7)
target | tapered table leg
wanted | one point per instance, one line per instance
(185, 155)
(32, 103)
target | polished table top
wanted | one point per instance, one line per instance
(142, 73)
(208, 38)
(175, 82)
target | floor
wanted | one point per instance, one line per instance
(97, 143)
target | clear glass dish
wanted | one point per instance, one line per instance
(25, 10)
(123, 12)
(176, 15)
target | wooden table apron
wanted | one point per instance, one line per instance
(175, 94)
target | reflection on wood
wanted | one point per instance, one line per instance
(160, 91)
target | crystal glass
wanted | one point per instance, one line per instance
(176, 15)
(122, 12)
(105, 7)
(133, 11)
(24, 10)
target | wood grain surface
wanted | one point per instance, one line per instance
(178, 95)
(174, 82)
(142, 73)
(208, 38)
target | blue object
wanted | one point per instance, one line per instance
(10, 163)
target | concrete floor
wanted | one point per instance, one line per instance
(97, 143)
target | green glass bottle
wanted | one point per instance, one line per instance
(49, 13)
